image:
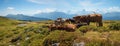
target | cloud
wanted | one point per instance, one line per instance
(69, 4)
(47, 1)
(104, 10)
(111, 9)
(10, 8)
(52, 3)
(88, 3)
(42, 1)
(46, 10)
(114, 9)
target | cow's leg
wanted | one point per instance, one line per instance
(100, 24)
(51, 29)
(97, 24)
(88, 23)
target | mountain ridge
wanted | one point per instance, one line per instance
(55, 15)
(25, 17)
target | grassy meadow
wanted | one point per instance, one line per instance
(37, 34)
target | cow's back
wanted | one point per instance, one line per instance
(83, 18)
(95, 17)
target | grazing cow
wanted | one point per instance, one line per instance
(89, 18)
(81, 19)
(96, 18)
(67, 27)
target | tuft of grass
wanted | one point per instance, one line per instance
(114, 26)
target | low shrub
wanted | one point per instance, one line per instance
(114, 26)
(102, 29)
(84, 29)
(62, 37)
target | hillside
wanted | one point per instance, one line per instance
(5, 21)
(38, 34)
(25, 17)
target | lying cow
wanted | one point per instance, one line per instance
(67, 27)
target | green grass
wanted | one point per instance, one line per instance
(39, 34)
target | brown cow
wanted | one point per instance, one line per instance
(89, 18)
(81, 19)
(67, 27)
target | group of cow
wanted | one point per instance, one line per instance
(76, 22)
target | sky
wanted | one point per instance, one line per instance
(31, 7)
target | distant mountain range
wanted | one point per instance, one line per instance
(56, 14)
(111, 16)
(25, 17)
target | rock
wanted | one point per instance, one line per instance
(15, 39)
(55, 44)
(79, 44)
(21, 25)
(27, 38)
